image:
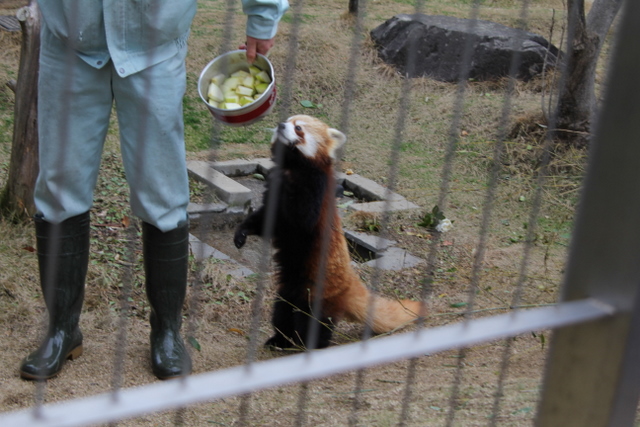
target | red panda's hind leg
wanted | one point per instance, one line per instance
(292, 320)
(283, 324)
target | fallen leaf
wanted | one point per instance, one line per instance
(29, 248)
(308, 104)
(194, 343)
(237, 331)
(458, 304)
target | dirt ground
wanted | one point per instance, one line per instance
(218, 311)
(221, 334)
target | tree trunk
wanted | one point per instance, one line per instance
(577, 103)
(353, 7)
(16, 200)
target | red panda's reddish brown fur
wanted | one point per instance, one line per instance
(304, 150)
(345, 296)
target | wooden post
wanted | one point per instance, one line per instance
(16, 200)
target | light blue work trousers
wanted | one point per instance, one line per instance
(74, 105)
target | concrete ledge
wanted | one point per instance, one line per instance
(201, 251)
(236, 202)
(373, 243)
(244, 167)
(236, 167)
(387, 257)
(381, 207)
(340, 178)
(394, 259)
(196, 208)
(215, 219)
(264, 166)
(228, 190)
(364, 188)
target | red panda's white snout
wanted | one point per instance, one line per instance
(293, 133)
(308, 135)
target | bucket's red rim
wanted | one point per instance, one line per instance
(250, 115)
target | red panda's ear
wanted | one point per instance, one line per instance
(338, 138)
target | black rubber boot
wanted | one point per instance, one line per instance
(166, 261)
(63, 256)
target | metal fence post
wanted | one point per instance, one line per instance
(591, 377)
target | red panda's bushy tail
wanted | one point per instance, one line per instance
(386, 314)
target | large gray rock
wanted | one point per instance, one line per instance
(439, 41)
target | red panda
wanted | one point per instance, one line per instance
(304, 149)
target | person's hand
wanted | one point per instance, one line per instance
(254, 46)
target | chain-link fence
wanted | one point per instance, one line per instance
(590, 379)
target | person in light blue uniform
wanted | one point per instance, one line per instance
(95, 53)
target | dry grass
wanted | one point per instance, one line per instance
(220, 311)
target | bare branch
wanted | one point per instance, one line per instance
(11, 84)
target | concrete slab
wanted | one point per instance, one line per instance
(341, 177)
(228, 190)
(196, 208)
(264, 166)
(201, 251)
(218, 220)
(395, 259)
(373, 243)
(236, 200)
(369, 190)
(236, 167)
(241, 272)
(381, 207)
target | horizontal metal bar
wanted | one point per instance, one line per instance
(163, 396)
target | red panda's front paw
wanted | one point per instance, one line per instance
(240, 238)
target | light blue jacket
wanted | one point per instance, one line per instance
(136, 34)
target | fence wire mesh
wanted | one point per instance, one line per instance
(439, 373)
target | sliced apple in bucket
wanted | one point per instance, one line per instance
(240, 88)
